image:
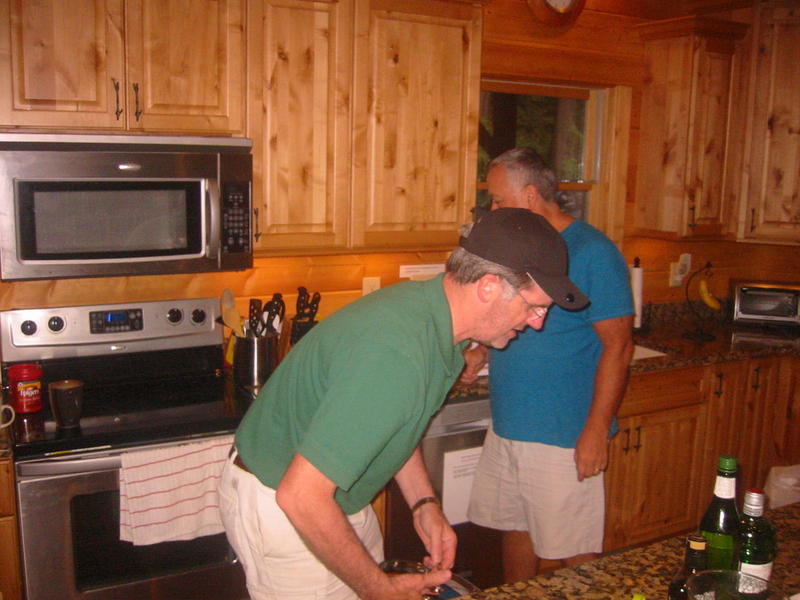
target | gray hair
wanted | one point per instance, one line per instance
(464, 267)
(526, 167)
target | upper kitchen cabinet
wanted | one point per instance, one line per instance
(770, 206)
(685, 117)
(363, 115)
(417, 92)
(149, 65)
(301, 66)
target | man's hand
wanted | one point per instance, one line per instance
(437, 535)
(591, 452)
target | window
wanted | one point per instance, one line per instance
(560, 123)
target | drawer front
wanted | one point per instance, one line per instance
(650, 392)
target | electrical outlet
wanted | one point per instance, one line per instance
(370, 284)
(674, 275)
(684, 264)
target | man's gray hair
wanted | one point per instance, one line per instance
(526, 167)
(464, 267)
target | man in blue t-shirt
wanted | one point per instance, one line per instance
(555, 393)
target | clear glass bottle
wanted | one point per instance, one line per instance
(720, 523)
(758, 543)
(694, 561)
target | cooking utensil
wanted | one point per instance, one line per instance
(230, 314)
(304, 320)
(272, 315)
(254, 316)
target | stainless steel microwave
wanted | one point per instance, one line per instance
(103, 205)
(766, 302)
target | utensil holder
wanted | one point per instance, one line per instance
(254, 359)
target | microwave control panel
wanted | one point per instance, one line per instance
(235, 218)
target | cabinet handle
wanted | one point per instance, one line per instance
(720, 378)
(257, 233)
(137, 113)
(692, 219)
(752, 220)
(118, 110)
(757, 382)
(627, 445)
(638, 437)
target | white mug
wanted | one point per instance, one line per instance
(4, 423)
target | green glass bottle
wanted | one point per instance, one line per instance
(694, 561)
(758, 544)
(720, 523)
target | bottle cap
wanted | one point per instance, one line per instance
(696, 542)
(753, 502)
(727, 463)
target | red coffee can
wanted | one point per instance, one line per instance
(25, 387)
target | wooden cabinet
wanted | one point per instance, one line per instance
(685, 107)
(782, 434)
(10, 581)
(415, 121)
(364, 120)
(149, 65)
(301, 62)
(652, 483)
(771, 190)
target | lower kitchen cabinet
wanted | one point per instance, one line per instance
(10, 581)
(652, 478)
(782, 440)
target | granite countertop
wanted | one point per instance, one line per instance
(647, 570)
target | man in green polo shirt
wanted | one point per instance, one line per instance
(346, 409)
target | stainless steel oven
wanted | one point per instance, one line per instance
(153, 378)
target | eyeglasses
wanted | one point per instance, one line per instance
(538, 310)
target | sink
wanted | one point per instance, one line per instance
(642, 352)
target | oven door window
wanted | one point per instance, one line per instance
(101, 559)
(110, 220)
(764, 303)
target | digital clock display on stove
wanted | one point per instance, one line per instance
(114, 321)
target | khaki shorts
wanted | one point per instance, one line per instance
(527, 486)
(276, 561)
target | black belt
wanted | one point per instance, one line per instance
(238, 460)
(239, 463)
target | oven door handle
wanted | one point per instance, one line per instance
(69, 466)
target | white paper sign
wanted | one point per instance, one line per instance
(459, 471)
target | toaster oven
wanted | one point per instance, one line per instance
(766, 303)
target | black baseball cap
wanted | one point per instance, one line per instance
(525, 242)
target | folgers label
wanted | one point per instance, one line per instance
(25, 387)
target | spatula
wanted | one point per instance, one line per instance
(230, 314)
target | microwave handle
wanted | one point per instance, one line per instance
(214, 203)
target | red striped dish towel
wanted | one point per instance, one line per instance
(170, 493)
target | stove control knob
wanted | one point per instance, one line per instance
(174, 315)
(198, 315)
(55, 324)
(28, 327)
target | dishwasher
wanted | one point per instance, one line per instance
(451, 448)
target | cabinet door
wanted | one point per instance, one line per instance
(686, 102)
(300, 96)
(726, 418)
(760, 399)
(772, 192)
(61, 63)
(656, 456)
(10, 580)
(787, 415)
(415, 121)
(185, 65)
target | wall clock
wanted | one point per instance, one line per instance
(556, 12)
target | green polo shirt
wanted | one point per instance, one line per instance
(355, 395)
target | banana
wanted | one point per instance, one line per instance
(707, 297)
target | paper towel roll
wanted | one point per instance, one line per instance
(636, 287)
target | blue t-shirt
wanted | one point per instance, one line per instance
(542, 383)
